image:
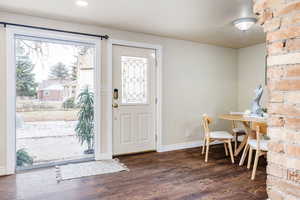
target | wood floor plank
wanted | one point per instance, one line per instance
(178, 175)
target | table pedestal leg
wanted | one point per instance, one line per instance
(244, 142)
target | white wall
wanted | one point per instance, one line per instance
(197, 79)
(251, 73)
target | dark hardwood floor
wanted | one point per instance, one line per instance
(171, 175)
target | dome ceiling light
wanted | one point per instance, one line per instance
(82, 3)
(244, 24)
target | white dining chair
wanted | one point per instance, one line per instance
(257, 143)
(211, 136)
(237, 130)
(260, 146)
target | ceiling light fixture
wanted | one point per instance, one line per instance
(82, 3)
(244, 24)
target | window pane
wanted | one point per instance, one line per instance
(134, 80)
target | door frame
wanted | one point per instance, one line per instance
(158, 106)
(11, 87)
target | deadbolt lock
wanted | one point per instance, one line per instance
(116, 94)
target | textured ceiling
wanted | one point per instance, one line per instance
(205, 21)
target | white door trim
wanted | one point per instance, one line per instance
(11, 96)
(158, 113)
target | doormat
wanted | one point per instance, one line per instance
(78, 170)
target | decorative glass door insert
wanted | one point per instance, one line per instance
(134, 80)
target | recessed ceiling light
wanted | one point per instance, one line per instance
(244, 24)
(82, 3)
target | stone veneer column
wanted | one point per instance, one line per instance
(281, 22)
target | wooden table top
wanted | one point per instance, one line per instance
(241, 118)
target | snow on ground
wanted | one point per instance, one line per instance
(46, 129)
(48, 141)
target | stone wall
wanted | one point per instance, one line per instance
(281, 22)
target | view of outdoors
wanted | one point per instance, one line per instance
(55, 101)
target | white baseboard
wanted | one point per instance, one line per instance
(2, 171)
(104, 156)
(185, 145)
(164, 148)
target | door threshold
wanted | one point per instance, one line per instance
(53, 164)
(134, 153)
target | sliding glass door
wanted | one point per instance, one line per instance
(55, 95)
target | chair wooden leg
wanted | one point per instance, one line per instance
(244, 155)
(207, 149)
(235, 142)
(203, 147)
(250, 157)
(230, 151)
(225, 147)
(257, 154)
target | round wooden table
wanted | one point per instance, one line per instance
(246, 121)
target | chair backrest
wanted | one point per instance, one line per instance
(260, 128)
(233, 124)
(205, 122)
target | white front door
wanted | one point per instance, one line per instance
(133, 100)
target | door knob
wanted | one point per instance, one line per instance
(115, 105)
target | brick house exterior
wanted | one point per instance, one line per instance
(281, 22)
(51, 93)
